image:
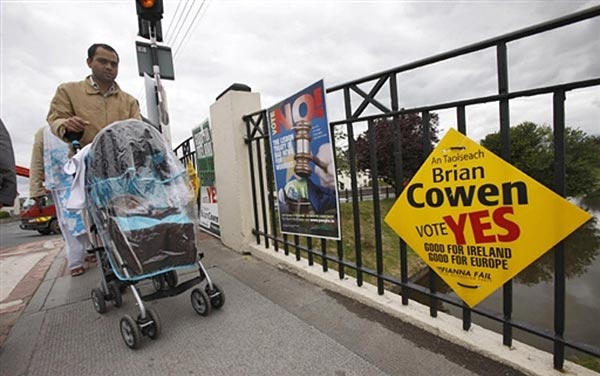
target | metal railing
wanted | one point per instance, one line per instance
(185, 153)
(263, 196)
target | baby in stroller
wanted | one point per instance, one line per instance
(142, 206)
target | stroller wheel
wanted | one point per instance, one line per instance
(153, 328)
(130, 332)
(122, 287)
(159, 283)
(200, 302)
(98, 300)
(115, 294)
(216, 295)
(171, 278)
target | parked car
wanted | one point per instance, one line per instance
(40, 217)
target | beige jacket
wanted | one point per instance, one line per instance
(36, 167)
(83, 100)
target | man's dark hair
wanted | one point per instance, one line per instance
(94, 47)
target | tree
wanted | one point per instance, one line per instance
(582, 247)
(593, 198)
(411, 131)
(342, 164)
(532, 151)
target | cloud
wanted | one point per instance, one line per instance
(279, 47)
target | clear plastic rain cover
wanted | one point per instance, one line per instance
(141, 200)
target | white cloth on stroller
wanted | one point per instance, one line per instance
(76, 165)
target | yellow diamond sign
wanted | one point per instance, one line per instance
(476, 220)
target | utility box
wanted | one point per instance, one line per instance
(165, 60)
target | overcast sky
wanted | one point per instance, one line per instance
(279, 47)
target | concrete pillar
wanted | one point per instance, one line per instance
(232, 169)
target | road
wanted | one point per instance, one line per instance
(11, 236)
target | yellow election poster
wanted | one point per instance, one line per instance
(476, 220)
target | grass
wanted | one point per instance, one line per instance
(390, 242)
(590, 362)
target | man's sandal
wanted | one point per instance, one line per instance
(77, 271)
(90, 258)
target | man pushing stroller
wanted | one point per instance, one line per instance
(140, 202)
(81, 108)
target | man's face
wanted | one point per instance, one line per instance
(104, 65)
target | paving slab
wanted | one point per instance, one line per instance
(273, 323)
(250, 335)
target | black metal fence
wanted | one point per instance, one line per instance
(367, 193)
(185, 153)
(333, 254)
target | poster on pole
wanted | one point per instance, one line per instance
(151, 101)
(208, 209)
(156, 107)
(304, 165)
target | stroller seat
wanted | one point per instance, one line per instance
(150, 240)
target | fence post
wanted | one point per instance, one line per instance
(232, 172)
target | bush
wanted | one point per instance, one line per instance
(4, 214)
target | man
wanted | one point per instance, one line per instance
(8, 176)
(48, 158)
(88, 106)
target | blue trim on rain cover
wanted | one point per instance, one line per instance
(141, 222)
(101, 189)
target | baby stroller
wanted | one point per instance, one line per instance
(142, 206)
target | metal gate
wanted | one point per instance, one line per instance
(354, 115)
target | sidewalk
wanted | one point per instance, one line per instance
(273, 323)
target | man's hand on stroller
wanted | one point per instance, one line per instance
(76, 124)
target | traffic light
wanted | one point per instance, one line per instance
(149, 10)
(144, 27)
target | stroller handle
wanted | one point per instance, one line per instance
(74, 138)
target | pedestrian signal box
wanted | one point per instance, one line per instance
(164, 57)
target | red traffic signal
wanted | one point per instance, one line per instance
(150, 10)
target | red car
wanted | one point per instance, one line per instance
(40, 217)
